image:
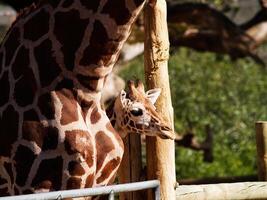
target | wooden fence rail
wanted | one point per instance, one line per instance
(230, 191)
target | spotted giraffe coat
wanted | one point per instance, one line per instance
(53, 64)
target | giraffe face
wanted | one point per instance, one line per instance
(136, 113)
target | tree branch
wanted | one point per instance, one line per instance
(189, 140)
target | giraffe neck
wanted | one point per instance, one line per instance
(83, 38)
(115, 122)
(111, 114)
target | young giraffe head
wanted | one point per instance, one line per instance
(135, 112)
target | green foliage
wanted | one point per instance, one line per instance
(133, 70)
(217, 3)
(228, 96)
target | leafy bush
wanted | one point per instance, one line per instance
(229, 96)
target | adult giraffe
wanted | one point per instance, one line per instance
(54, 61)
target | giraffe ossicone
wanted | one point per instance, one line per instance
(54, 61)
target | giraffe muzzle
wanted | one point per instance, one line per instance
(167, 135)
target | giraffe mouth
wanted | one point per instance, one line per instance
(167, 135)
(142, 123)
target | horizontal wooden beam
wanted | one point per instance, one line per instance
(237, 191)
(217, 180)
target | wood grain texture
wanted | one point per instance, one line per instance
(131, 166)
(261, 141)
(160, 153)
(237, 191)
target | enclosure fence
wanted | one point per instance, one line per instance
(223, 191)
(107, 190)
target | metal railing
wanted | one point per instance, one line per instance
(110, 190)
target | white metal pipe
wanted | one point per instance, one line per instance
(129, 187)
(111, 196)
(157, 193)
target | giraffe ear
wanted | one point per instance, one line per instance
(153, 95)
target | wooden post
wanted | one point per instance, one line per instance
(160, 153)
(261, 140)
(131, 166)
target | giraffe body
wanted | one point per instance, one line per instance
(54, 60)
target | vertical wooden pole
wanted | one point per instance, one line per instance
(160, 153)
(131, 166)
(261, 141)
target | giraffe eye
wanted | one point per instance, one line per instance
(137, 112)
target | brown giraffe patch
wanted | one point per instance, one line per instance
(86, 105)
(89, 180)
(48, 67)
(66, 34)
(45, 185)
(27, 191)
(91, 5)
(89, 82)
(75, 169)
(50, 138)
(1, 63)
(46, 106)
(44, 173)
(118, 11)
(113, 122)
(110, 110)
(25, 88)
(103, 146)
(16, 190)
(65, 83)
(138, 2)
(11, 45)
(33, 29)
(8, 130)
(131, 123)
(4, 88)
(67, 3)
(125, 121)
(139, 126)
(95, 116)
(74, 183)
(30, 115)
(45, 137)
(54, 3)
(2, 181)
(109, 167)
(24, 158)
(69, 106)
(80, 142)
(4, 192)
(98, 47)
(21, 62)
(112, 130)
